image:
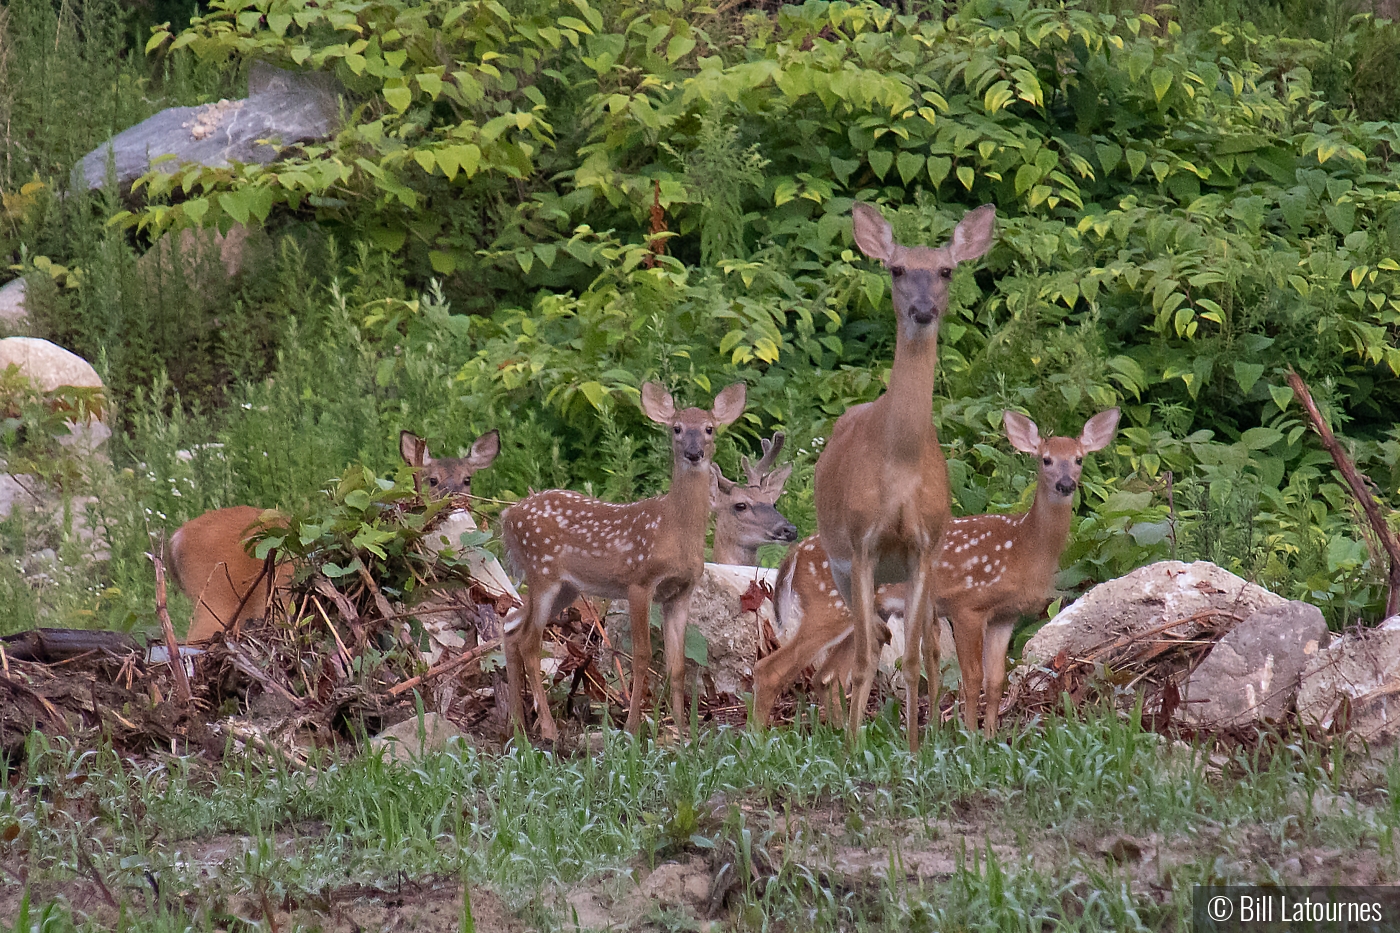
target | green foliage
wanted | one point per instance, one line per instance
(1187, 207)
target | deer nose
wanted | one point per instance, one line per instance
(923, 315)
(787, 532)
(1066, 487)
(695, 455)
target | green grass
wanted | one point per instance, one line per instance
(1022, 822)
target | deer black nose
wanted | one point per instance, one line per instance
(1066, 487)
(923, 315)
(695, 456)
(787, 532)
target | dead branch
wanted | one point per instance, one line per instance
(475, 654)
(177, 663)
(1359, 489)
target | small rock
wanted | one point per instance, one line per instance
(1122, 849)
(1252, 674)
(410, 739)
(12, 310)
(47, 365)
(1356, 678)
(679, 885)
(1144, 600)
(484, 568)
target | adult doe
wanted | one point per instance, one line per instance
(881, 483)
(993, 569)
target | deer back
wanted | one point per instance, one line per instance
(210, 560)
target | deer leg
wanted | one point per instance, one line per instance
(675, 614)
(969, 627)
(516, 632)
(994, 663)
(917, 611)
(865, 657)
(551, 598)
(639, 607)
(933, 665)
(775, 673)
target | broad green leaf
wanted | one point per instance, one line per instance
(398, 97)
(966, 176)
(1136, 161)
(1247, 374)
(443, 263)
(1282, 396)
(938, 169)
(1161, 82)
(910, 165)
(1260, 438)
(880, 162)
(595, 393)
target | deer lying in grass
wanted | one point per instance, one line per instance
(566, 544)
(745, 516)
(209, 554)
(992, 570)
(881, 483)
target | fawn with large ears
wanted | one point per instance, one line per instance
(992, 569)
(447, 476)
(566, 544)
(210, 559)
(881, 483)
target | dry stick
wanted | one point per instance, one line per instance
(476, 654)
(340, 645)
(1358, 489)
(347, 609)
(177, 663)
(622, 688)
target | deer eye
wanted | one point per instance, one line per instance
(946, 273)
(1046, 461)
(676, 428)
(896, 271)
(709, 429)
(740, 506)
(432, 480)
(1078, 461)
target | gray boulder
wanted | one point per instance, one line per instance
(12, 309)
(1252, 674)
(1355, 682)
(1139, 604)
(281, 107)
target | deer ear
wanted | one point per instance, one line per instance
(484, 450)
(1099, 430)
(719, 486)
(657, 403)
(413, 449)
(972, 237)
(1022, 432)
(872, 232)
(729, 404)
(773, 482)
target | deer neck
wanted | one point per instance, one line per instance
(686, 507)
(909, 399)
(1046, 529)
(729, 552)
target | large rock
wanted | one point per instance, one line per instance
(412, 739)
(1355, 682)
(1142, 603)
(47, 365)
(12, 309)
(730, 631)
(1252, 674)
(195, 253)
(485, 569)
(281, 106)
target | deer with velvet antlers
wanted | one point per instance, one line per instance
(992, 570)
(746, 516)
(566, 544)
(881, 483)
